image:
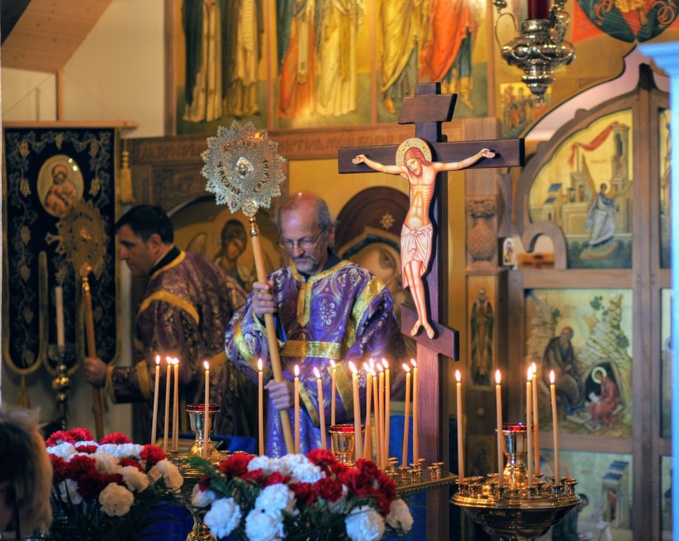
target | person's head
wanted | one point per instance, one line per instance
(234, 240)
(603, 187)
(54, 204)
(145, 235)
(414, 160)
(383, 260)
(25, 474)
(59, 173)
(482, 295)
(306, 231)
(566, 335)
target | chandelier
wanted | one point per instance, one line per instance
(540, 47)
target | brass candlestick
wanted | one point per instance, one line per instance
(522, 508)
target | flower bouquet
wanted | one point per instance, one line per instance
(258, 498)
(107, 491)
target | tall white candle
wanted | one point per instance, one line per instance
(378, 423)
(536, 424)
(529, 425)
(555, 423)
(333, 392)
(260, 405)
(296, 403)
(498, 404)
(406, 417)
(59, 305)
(380, 397)
(156, 389)
(387, 408)
(416, 429)
(175, 407)
(460, 426)
(367, 446)
(357, 411)
(321, 407)
(206, 417)
(166, 423)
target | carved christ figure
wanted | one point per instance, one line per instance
(413, 162)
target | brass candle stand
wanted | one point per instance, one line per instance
(518, 508)
(62, 381)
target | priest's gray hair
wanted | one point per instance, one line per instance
(323, 214)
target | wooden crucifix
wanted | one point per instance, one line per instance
(428, 109)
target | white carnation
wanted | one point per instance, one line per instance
(122, 450)
(306, 473)
(86, 444)
(201, 498)
(63, 450)
(173, 479)
(223, 517)
(275, 499)
(261, 526)
(116, 500)
(154, 474)
(364, 524)
(135, 480)
(106, 462)
(290, 462)
(266, 464)
(68, 491)
(399, 516)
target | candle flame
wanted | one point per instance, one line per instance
(352, 367)
(366, 366)
(498, 377)
(157, 360)
(176, 361)
(296, 370)
(412, 361)
(379, 367)
(551, 377)
(385, 363)
(458, 376)
(372, 363)
(260, 365)
(206, 364)
(535, 368)
(530, 373)
(318, 374)
(406, 367)
(332, 363)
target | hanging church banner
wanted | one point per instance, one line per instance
(60, 207)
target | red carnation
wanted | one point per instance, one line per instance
(357, 484)
(152, 454)
(304, 493)
(328, 489)
(236, 465)
(90, 485)
(86, 448)
(367, 468)
(59, 437)
(127, 461)
(117, 438)
(58, 468)
(323, 458)
(254, 477)
(386, 486)
(275, 478)
(80, 465)
(81, 434)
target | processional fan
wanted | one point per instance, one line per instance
(82, 239)
(243, 170)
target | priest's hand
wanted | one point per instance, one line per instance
(262, 299)
(281, 394)
(95, 371)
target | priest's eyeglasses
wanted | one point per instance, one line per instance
(304, 243)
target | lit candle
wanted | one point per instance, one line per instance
(168, 382)
(536, 415)
(59, 305)
(555, 423)
(498, 403)
(357, 410)
(260, 404)
(529, 424)
(406, 417)
(156, 389)
(206, 416)
(296, 391)
(380, 398)
(460, 426)
(321, 407)
(175, 407)
(378, 422)
(333, 392)
(367, 447)
(416, 431)
(387, 408)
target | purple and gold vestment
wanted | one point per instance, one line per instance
(187, 304)
(342, 313)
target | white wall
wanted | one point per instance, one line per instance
(117, 74)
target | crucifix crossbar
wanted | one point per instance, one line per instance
(428, 109)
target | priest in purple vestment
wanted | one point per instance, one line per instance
(325, 310)
(187, 304)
